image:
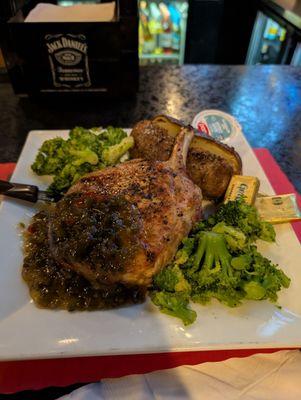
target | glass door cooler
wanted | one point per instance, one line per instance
(162, 31)
(296, 59)
(276, 35)
(269, 42)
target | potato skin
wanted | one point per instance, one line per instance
(151, 142)
(201, 142)
(208, 170)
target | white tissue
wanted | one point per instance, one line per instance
(259, 377)
(44, 12)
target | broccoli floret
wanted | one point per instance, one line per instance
(182, 255)
(112, 154)
(67, 176)
(235, 238)
(81, 139)
(174, 304)
(241, 262)
(267, 232)
(201, 226)
(217, 274)
(245, 217)
(112, 136)
(268, 275)
(171, 294)
(229, 296)
(84, 156)
(212, 255)
(171, 279)
(212, 274)
(51, 157)
(254, 290)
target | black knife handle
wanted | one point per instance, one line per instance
(19, 191)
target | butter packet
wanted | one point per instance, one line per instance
(279, 208)
(242, 186)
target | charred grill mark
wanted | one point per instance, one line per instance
(150, 256)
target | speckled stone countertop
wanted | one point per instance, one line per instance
(266, 100)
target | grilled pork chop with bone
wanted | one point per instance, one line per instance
(123, 224)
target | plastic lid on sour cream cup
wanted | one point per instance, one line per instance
(218, 124)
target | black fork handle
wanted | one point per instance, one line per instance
(19, 191)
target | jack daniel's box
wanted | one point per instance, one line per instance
(47, 58)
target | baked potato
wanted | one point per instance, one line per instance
(210, 163)
(201, 142)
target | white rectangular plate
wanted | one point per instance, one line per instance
(27, 332)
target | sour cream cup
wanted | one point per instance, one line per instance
(218, 124)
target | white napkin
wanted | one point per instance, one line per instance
(274, 376)
(44, 12)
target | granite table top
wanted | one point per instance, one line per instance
(265, 99)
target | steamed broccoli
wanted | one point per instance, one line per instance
(219, 260)
(174, 304)
(245, 217)
(219, 274)
(51, 156)
(267, 232)
(182, 256)
(254, 290)
(113, 153)
(112, 136)
(235, 238)
(84, 156)
(171, 294)
(85, 150)
(171, 279)
(66, 177)
(211, 255)
(82, 139)
(267, 273)
(212, 272)
(241, 262)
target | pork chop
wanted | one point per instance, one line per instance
(123, 224)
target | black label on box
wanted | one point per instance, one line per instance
(68, 60)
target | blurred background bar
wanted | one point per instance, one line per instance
(171, 32)
(208, 31)
(220, 32)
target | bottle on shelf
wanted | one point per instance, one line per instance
(175, 17)
(165, 38)
(146, 38)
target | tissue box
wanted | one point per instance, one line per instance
(73, 58)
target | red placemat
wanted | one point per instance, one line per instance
(37, 374)
(6, 170)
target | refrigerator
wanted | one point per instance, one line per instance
(270, 42)
(179, 31)
(162, 31)
(296, 59)
(276, 37)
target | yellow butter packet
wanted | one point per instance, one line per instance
(242, 186)
(279, 208)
